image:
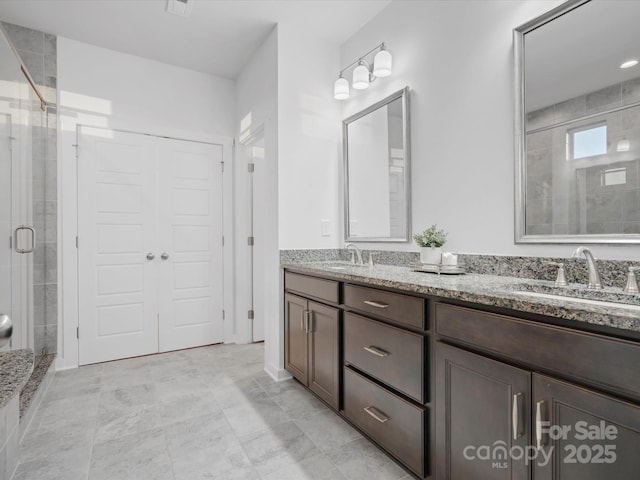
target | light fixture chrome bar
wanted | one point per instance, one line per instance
(362, 58)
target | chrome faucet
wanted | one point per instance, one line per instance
(594, 276)
(357, 252)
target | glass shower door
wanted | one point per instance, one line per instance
(5, 230)
(17, 101)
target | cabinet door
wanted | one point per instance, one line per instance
(295, 337)
(324, 368)
(481, 414)
(589, 436)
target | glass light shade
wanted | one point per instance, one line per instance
(360, 77)
(382, 64)
(623, 146)
(341, 89)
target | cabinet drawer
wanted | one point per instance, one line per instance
(390, 354)
(596, 359)
(391, 421)
(392, 306)
(313, 287)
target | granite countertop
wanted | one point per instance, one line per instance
(490, 290)
(15, 368)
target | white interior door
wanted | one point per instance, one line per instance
(260, 219)
(191, 267)
(117, 229)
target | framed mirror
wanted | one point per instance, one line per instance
(377, 187)
(578, 124)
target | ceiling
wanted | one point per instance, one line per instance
(219, 36)
(581, 52)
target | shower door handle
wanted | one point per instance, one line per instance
(33, 239)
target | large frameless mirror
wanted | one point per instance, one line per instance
(377, 195)
(578, 124)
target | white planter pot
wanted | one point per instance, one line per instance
(430, 255)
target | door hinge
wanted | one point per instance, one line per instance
(251, 241)
(250, 314)
(222, 314)
(77, 242)
(10, 242)
(78, 333)
(251, 167)
(223, 240)
(222, 166)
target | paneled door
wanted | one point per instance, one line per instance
(488, 401)
(190, 219)
(150, 244)
(590, 436)
(117, 243)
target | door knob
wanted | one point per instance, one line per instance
(150, 256)
(164, 256)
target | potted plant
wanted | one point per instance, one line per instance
(430, 242)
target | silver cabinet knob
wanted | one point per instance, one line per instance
(164, 256)
(150, 256)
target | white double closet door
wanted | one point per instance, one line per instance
(149, 244)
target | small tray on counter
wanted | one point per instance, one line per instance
(439, 268)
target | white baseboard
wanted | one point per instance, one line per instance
(278, 374)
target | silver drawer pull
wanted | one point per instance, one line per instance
(373, 303)
(377, 414)
(539, 421)
(515, 415)
(378, 352)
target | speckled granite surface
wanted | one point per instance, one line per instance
(612, 272)
(15, 368)
(498, 291)
(28, 393)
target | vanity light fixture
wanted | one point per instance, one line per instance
(364, 72)
(341, 88)
(629, 64)
(623, 145)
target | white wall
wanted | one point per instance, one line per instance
(103, 88)
(309, 132)
(257, 117)
(457, 58)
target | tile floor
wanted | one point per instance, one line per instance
(205, 413)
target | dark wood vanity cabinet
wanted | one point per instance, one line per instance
(479, 402)
(516, 403)
(455, 392)
(312, 337)
(386, 371)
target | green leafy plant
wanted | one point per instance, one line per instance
(431, 237)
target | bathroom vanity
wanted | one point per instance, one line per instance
(456, 376)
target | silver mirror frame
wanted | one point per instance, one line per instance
(520, 139)
(406, 144)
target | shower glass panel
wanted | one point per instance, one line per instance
(19, 112)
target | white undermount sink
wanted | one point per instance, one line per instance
(587, 301)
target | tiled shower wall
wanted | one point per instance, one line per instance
(38, 53)
(567, 196)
